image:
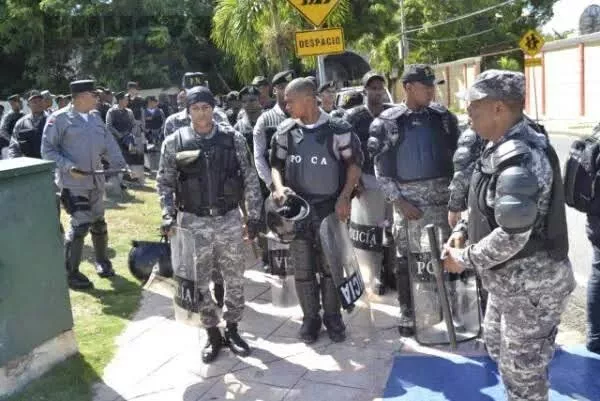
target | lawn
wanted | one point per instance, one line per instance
(101, 314)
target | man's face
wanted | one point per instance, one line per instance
(235, 104)
(279, 91)
(15, 105)
(87, 100)
(251, 104)
(297, 104)
(61, 103)
(36, 105)
(133, 91)
(420, 93)
(48, 102)
(201, 114)
(328, 97)
(484, 115)
(152, 104)
(265, 90)
(124, 102)
(375, 91)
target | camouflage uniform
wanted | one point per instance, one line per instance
(470, 146)
(181, 119)
(219, 244)
(528, 289)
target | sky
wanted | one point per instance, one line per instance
(566, 15)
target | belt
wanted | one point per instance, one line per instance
(210, 211)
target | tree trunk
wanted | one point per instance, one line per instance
(281, 50)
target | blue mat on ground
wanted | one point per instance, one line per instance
(574, 375)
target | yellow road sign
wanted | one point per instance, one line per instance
(315, 11)
(320, 41)
(532, 42)
(533, 62)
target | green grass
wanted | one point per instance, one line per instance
(101, 314)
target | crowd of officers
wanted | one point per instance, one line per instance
(213, 160)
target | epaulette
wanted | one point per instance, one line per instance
(394, 112)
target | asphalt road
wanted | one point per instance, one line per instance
(580, 250)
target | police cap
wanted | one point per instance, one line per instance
(370, 76)
(249, 90)
(497, 85)
(120, 95)
(84, 85)
(325, 86)
(422, 73)
(233, 95)
(14, 98)
(200, 94)
(33, 94)
(132, 84)
(259, 80)
(283, 77)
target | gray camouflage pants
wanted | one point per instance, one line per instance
(219, 252)
(519, 333)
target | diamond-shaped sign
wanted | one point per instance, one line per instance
(315, 11)
(532, 42)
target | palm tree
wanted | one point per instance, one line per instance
(259, 33)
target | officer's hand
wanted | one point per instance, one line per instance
(456, 240)
(342, 208)
(453, 218)
(253, 228)
(451, 263)
(410, 211)
(76, 173)
(166, 227)
(280, 195)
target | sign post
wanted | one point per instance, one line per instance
(318, 42)
(532, 43)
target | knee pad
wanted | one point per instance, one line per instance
(98, 227)
(80, 231)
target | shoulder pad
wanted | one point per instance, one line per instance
(225, 128)
(511, 152)
(339, 126)
(394, 112)
(356, 110)
(438, 108)
(286, 125)
(467, 138)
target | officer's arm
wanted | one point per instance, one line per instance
(378, 146)
(277, 158)
(51, 146)
(4, 134)
(252, 191)
(110, 124)
(113, 151)
(522, 192)
(349, 149)
(467, 153)
(166, 177)
(260, 148)
(168, 126)
(14, 148)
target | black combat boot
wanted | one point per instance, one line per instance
(308, 297)
(219, 292)
(75, 279)
(234, 341)
(332, 319)
(213, 345)
(100, 241)
(309, 331)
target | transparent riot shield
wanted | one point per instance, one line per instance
(367, 225)
(183, 259)
(459, 291)
(283, 288)
(339, 255)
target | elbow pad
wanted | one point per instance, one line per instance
(515, 209)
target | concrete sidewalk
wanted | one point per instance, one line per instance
(159, 359)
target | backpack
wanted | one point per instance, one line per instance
(581, 178)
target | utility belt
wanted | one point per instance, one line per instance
(208, 211)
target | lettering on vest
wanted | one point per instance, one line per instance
(351, 290)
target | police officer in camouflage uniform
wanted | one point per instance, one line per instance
(26, 140)
(517, 235)
(249, 96)
(205, 173)
(414, 144)
(327, 93)
(318, 158)
(76, 140)
(10, 119)
(234, 106)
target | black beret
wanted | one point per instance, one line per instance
(200, 94)
(249, 90)
(283, 77)
(151, 99)
(85, 85)
(120, 95)
(325, 86)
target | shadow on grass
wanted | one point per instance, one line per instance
(117, 300)
(115, 202)
(88, 253)
(70, 380)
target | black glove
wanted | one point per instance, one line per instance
(253, 227)
(168, 222)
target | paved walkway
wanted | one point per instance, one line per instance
(159, 359)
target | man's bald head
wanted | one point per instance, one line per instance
(301, 86)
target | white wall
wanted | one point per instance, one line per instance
(562, 83)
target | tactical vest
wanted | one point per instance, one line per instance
(554, 235)
(209, 177)
(361, 118)
(11, 121)
(121, 121)
(271, 121)
(311, 168)
(30, 137)
(153, 119)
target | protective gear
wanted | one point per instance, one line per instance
(282, 220)
(166, 224)
(187, 294)
(73, 251)
(339, 255)
(234, 341)
(144, 257)
(309, 158)
(100, 242)
(209, 181)
(581, 174)
(192, 79)
(219, 293)
(213, 345)
(309, 331)
(516, 186)
(406, 321)
(331, 310)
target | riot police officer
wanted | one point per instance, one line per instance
(205, 172)
(233, 102)
(26, 139)
(517, 235)
(76, 140)
(319, 159)
(249, 96)
(10, 119)
(265, 100)
(326, 94)
(414, 144)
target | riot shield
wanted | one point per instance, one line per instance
(367, 225)
(283, 288)
(339, 255)
(183, 260)
(461, 289)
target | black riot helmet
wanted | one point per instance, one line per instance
(281, 220)
(191, 79)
